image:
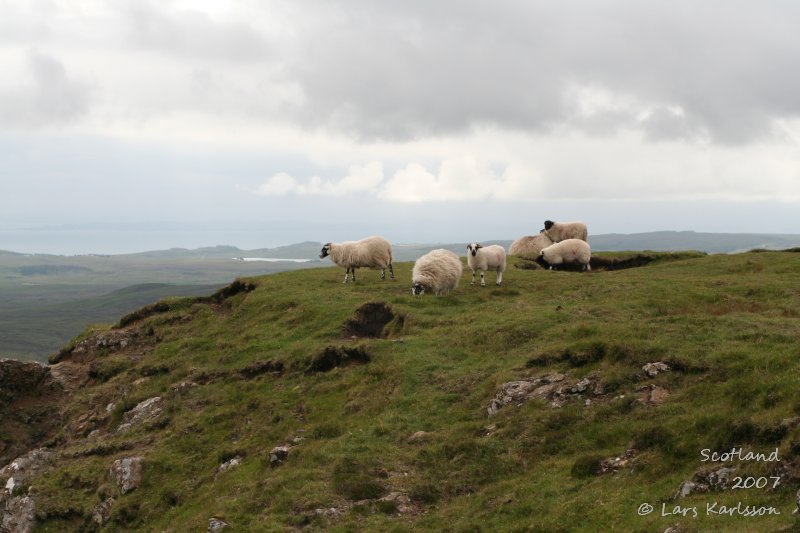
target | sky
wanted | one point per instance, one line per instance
(258, 123)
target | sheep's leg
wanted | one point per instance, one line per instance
(354, 274)
(499, 277)
(346, 275)
(483, 281)
(473, 278)
(391, 271)
(383, 274)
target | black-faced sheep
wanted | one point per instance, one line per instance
(372, 252)
(570, 251)
(530, 245)
(438, 272)
(485, 258)
(561, 231)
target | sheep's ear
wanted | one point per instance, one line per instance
(478, 246)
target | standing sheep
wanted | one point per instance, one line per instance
(561, 231)
(485, 258)
(530, 245)
(566, 252)
(372, 252)
(437, 271)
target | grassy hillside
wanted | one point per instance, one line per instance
(282, 364)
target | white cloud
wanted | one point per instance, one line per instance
(360, 179)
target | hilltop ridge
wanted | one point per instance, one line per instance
(558, 400)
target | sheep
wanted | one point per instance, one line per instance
(566, 252)
(561, 231)
(530, 245)
(437, 271)
(372, 252)
(485, 258)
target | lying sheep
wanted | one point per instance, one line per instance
(372, 252)
(566, 252)
(561, 231)
(485, 258)
(530, 245)
(437, 271)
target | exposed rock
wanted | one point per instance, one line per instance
(706, 481)
(216, 524)
(145, 411)
(555, 388)
(797, 503)
(22, 470)
(653, 394)
(675, 528)
(230, 464)
(653, 369)
(102, 511)
(30, 402)
(402, 502)
(613, 464)
(126, 473)
(71, 376)
(278, 455)
(687, 488)
(418, 436)
(18, 515)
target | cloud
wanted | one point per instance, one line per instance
(360, 179)
(45, 95)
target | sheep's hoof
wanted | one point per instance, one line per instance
(483, 284)
(472, 283)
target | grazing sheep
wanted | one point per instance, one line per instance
(437, 271)
(566, 252)
(530, 245)
(561, 231)
(485, 258)
(372, 252)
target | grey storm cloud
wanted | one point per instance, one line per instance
(49, 95)
(421, 68)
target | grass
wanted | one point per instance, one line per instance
(727, 324)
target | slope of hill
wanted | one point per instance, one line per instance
(561, 401)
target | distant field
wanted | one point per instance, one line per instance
(45, 300)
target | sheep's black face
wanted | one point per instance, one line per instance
(548, 224)
(325, 251)
(417, 289)
(541, 260)
(473, 249)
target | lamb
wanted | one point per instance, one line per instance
(437, 271)
(530, 245)
(566, 252)
(561, 231)
(485, 258)
(372, 252)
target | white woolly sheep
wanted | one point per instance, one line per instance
(372, 252)
(530, 245)
(566, 252)
(438, 271)
(485, 258)
(561, 231)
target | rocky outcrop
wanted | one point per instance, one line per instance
(144, 412)
(126, 473)
(18, 515)
(22, 470)
(30, 402)
(556, 389)
(102, 511)
(653, 369)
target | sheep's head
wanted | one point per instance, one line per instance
(540, 259)
(473, 248)
(548, 224)
(418, 289)
(325, 251)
